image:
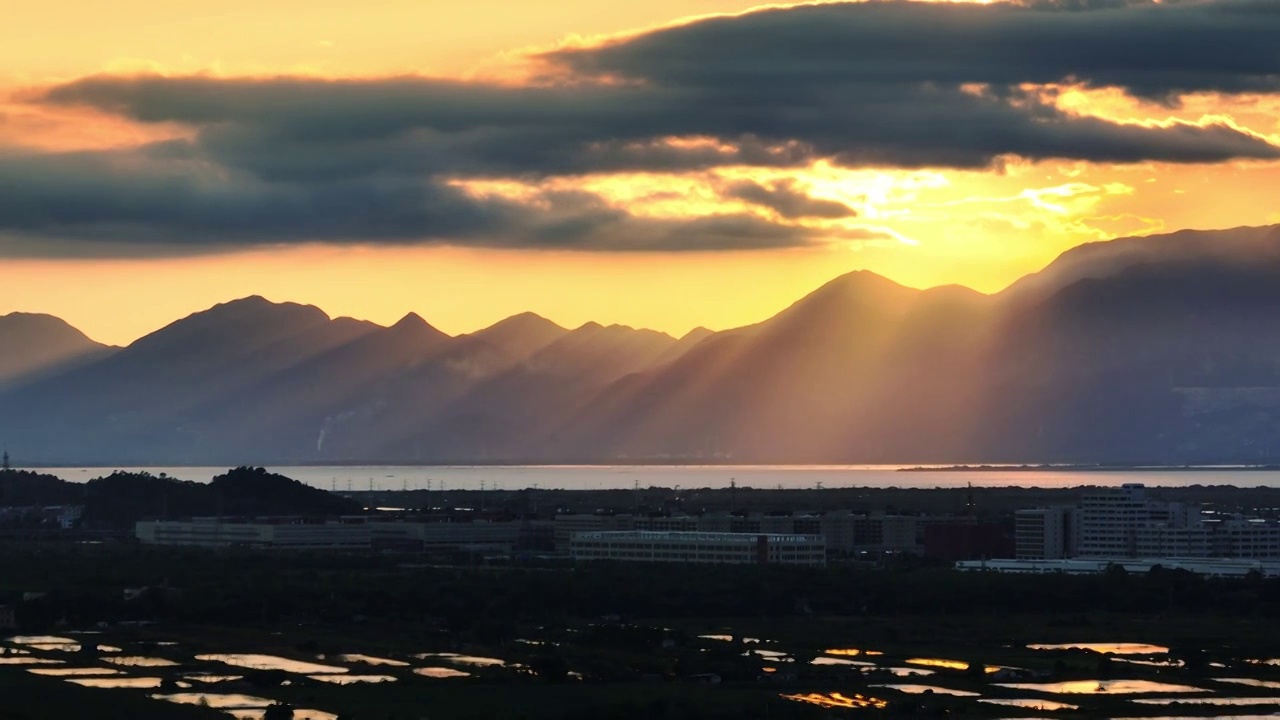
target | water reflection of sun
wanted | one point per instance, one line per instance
(838, 700)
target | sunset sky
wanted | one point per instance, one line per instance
(662, 164)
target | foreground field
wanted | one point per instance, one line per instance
(367, 636)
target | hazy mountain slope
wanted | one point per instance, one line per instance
(1237, 247)
(806, 384)
(148, 398)
(687, 342)
(1159, 349)
(512, 414)
(1163, 362)
(519, 335)
(286, 413)
(392, 418)
(34, 345)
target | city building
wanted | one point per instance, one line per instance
(566, 526)
(699, 547)
(1113, 521)
(290, 534)
(1044, 533)
(966, 539)
(1241, 537)
(1156, 540)
(1114, 525)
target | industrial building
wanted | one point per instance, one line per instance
(700, 547)
(282, 533)
(845, 533)
(487, 536)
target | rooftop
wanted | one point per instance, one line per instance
(693, 536)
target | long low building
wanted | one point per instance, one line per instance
(214, 532)
(1212, 567)
(700, 547)
(479, 535)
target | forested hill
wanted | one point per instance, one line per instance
(120, 499)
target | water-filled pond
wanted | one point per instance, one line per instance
(927, 689)
(441, 672)
(253, 661)
(143, 683)
(1031, 703)
(1103, 687)
(371, 660)
(140, 661)
(1114, 648)
(352, 679)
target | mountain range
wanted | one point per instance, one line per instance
(1162, 349)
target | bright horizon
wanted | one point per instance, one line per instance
(334, 188)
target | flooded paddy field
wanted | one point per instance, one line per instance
(797, 668)
(375, 637)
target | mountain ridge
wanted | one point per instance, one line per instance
(1160, 348)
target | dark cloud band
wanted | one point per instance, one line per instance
(896, 84)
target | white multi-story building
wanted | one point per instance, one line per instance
(291, 534)
(1241, 537)
(700, 547)
(1156, 540)
(1123, 522)
(1045, 533)
(1120, 522)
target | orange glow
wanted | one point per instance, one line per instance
(948, 664)
(981, 228)
(838, 700)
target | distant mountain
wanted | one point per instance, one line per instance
(1165, 361)
(803, 386)
(1238, 247)
(1163, 349)
(32, 345)
(510, 415)
(151, 399)
(520, 335)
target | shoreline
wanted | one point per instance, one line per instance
(1092, 468)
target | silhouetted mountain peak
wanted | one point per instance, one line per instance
(39, 324)
(255, 304)
(860, 281)
(34, 343)
(521, 335)
(696, 335)
(248, 314)
(412, 321)
(412, 331)
(843, 300)
(1142, 349)
(524, 324)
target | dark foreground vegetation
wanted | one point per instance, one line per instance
(628, 632)
(84, 582)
